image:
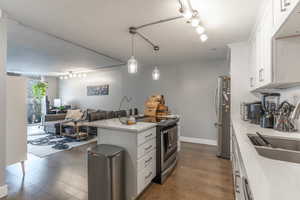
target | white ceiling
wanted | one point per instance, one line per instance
(102, 25)
(36, 53)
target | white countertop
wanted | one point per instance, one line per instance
(115, 124)
(269, 179)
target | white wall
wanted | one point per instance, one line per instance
(74, 91)
(3, 44)
(188, 88)
(53, 88)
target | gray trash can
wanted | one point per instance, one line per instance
(106, 173)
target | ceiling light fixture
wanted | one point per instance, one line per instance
(195, 21)
(203, 37)
(192, 17)
(156, 72)
(72, 75)
(200, 29)
(132, 63)
(186, 9)
(187, 12)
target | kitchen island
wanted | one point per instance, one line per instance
(139, 141)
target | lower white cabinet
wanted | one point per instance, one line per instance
(241, 187)
(146, 171)
(140, 157)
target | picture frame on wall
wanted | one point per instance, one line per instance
(98, 90)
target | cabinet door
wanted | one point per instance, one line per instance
(259, 46)
(252, 70)
(282, 9)
(266, 35)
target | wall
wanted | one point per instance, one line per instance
(3, 41)
(189, 90)
(53, 88)
(74, 92)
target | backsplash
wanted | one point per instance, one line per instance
(292, 95)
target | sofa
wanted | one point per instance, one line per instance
(55, 123)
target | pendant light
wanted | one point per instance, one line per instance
(156, 72)
(132, 63)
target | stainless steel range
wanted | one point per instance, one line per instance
(166, 144)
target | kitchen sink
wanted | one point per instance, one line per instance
(281, 149)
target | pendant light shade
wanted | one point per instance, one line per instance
(155, 74)
(132, 65)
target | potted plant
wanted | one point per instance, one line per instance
(39, 91)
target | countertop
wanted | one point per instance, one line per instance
(115, 124)
(269, 179)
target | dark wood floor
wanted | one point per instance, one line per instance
(200, 175)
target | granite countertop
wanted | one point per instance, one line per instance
(115, 124)
(269, 179)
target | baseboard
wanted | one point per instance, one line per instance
(3, 191)
(198, 140)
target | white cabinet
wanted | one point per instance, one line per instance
(264, 33)
(252, 60)
(272, 62)
(241, 186)
(282, 9)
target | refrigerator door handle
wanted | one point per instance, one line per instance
(217, 125)
(216, 106)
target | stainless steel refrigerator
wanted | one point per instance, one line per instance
(222, 108)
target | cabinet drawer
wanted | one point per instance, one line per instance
(146, 136)
(145, 177)
(146, 148)
(146, 160)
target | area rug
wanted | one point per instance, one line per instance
(35, 130)
(47, 150)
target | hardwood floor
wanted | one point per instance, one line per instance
(200, 175)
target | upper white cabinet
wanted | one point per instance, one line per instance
(261, 50)
(282, 10)
(269, 54)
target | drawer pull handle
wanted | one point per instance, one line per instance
(148, 148)
(148, 160)
(147, 136)
(149, 175)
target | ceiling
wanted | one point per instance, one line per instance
(102, 25)
(36, 53)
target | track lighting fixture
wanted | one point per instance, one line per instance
(200, 29)
(203, 37)
(186, 10)
(192, 16)
(195, 21)
(72, 75)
